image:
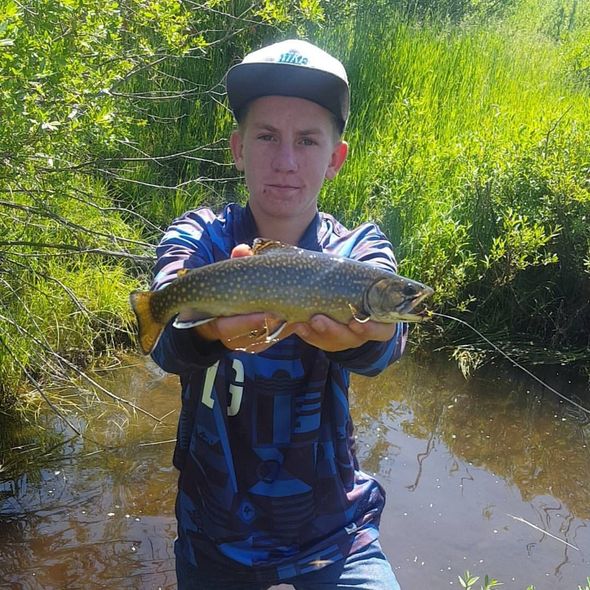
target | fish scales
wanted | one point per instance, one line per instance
(294, 288)
(291, 283)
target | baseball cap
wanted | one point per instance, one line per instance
(290, 68)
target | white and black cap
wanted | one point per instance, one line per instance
(290, 68)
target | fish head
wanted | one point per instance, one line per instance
(394, 298)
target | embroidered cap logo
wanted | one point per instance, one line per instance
(293, 57)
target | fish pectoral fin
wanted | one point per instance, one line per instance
(273, 336)
(191, 319)
(270, 332)
(266, 246)
(359, 316)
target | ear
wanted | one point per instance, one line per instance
(236, 145)
(338, 156)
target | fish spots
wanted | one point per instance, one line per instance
(292, 283)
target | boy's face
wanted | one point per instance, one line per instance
(286, 147)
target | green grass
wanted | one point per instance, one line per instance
(62, 303)
(469, 145)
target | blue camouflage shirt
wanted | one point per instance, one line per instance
(269, 484)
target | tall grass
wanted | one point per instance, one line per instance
(470, 146)
(96, 102)
(61, 305)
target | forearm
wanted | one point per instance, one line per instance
(372, 357)
(183, 351)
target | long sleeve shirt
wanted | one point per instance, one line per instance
(269, 484)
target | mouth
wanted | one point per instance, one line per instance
(283, 187)
(412, 303)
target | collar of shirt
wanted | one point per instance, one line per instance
(244, 230)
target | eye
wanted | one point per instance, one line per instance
(409, 290)
(308, 141)
(265, 137)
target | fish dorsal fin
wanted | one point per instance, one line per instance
(266, 246)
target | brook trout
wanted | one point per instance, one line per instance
(289, 282)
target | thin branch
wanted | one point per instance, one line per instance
(71, 249)
(44, 212)
(37, 386)
(88, 201)
(520, 519)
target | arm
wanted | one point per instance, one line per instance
(186, 244)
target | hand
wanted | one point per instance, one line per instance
(239, 332)
(244, 332)
(332, 336)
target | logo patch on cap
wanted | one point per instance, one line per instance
(293, 57)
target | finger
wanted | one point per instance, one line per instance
(328, 334)
(321, 323)
(241, 250)
(373, 330)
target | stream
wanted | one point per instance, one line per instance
(489, 474)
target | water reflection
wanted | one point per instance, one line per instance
(461, 459)
(470, 468)
(102, 515)
(516, 430)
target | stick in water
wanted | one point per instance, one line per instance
(543, 531)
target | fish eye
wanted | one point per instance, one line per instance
(409, 289)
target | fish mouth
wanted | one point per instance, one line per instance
(409, 305)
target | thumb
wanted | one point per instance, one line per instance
(241, 250)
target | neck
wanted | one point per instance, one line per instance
(287, 231)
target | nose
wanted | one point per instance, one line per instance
(284, 159)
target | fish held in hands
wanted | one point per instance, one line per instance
(290, 283)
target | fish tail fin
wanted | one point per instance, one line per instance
(149, 328)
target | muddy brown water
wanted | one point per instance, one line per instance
(490, 475)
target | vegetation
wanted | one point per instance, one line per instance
(468, 582)
(469, 145)
(473, 156)
(78, 221)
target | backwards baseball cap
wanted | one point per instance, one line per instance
(290, 68)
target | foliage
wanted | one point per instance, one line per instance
(472, 154)
(468, 582)
(79, 138)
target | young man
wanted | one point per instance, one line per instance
(270, 490)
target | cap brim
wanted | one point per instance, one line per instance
(246, 82)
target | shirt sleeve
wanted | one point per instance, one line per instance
(186, 244)
(368, 244)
